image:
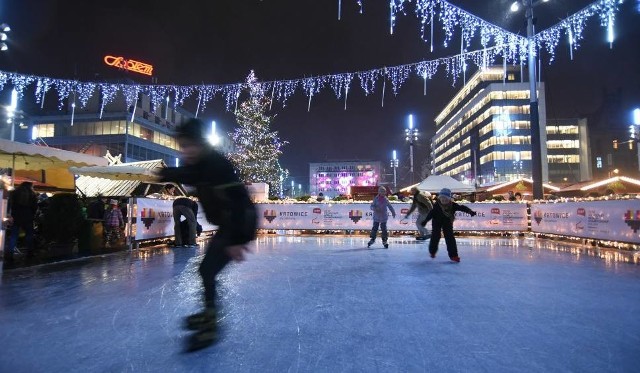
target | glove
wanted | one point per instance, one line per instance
(473, 213)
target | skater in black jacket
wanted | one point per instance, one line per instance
(226, 203)
(443, 215)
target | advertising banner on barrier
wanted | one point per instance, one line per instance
(604, 220)
(358, 216)
(155, 219)
(493, 217)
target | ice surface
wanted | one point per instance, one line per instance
(327, 304)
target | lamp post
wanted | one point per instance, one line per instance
(633, 129)
(11, 113)
(394, 165)
(411, 135)
(4, 29)
(213, 138)
(536, 150)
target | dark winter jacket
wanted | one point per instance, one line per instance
(223, 196)
(23, 203)
(187, 202)
(446, 214)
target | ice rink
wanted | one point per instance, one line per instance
(329, 304)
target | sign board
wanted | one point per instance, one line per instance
(603, 220)
(129, 64)
(155, 219)
(358, 216)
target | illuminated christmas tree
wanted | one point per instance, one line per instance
(256, 147)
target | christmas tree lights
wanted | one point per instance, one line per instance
(257, 148)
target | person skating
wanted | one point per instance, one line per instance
(227, 204)
(379, 207)
(424, 205)
(443, 215)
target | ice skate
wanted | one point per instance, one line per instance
(455, 259)
(385, 244)
(202, 339)
(201, 320)
(370, 243)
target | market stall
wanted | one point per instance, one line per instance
(524, 186)
(43, 165)
(435, 183)
(599, 188)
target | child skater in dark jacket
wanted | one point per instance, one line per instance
(443, 214)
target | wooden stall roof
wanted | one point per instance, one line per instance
(114, 180)
(519, 185)
(616, 184)
(21, 156)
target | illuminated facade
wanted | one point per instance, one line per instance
(335, 178)
(483, 134)
(568, 150)
(149, 136)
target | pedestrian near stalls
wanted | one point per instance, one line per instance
(184, 206)
(443, 215)
(379, 207)
(23, 204)
(113, 223)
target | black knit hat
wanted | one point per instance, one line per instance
(192, 129)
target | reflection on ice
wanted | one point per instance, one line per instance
(326, 303)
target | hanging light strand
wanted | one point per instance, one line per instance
(511, 47)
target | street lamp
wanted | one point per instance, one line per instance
(4, 29)
(11, 112)
(633, 129)
(213, 138)
(411, 135)
(394, 165)
(536, 150)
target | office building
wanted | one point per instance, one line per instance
(145, 135)
(568, 150)
(483, 133)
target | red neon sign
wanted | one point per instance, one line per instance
(131, 65)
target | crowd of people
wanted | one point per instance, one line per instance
(26, 212)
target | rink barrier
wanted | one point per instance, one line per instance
(616, 220)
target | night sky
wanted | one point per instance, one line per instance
(217, 42)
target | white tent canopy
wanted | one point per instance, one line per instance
(434, 183)
(117, 180)
(116, 172)
(21, 156)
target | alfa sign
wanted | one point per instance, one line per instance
(131, 65)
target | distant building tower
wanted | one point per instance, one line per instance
(483, 133)
(568, 150)
(335, 178)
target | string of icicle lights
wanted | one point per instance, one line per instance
(496, 43)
